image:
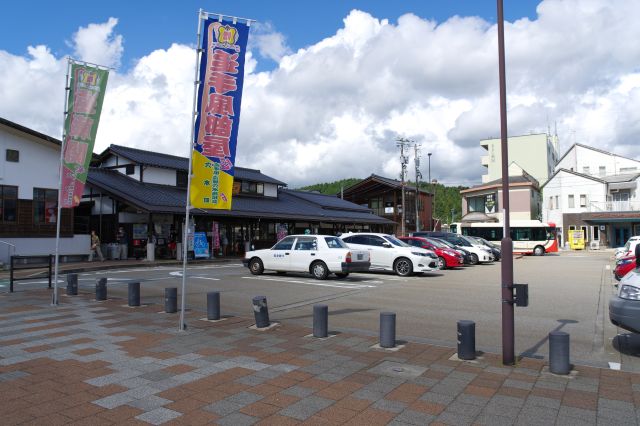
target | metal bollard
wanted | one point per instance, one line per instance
(171, 300)
(466, 339)
(387, 329)
(101, 289)
(213, 305)
(559, 352)
(261, 312)
(72, 284)
(320, 320)
(134, 294)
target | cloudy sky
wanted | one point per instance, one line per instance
(325, 102)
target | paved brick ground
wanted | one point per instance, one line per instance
(94, 363)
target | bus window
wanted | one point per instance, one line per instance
(521, 234)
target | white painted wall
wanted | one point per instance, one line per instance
(270, 190)
(564, 184)
(580, 157)
(78, 244)
(159, 176)
(35, 154)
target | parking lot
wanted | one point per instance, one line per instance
(567, 292)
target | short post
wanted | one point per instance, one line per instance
(72, 284)
(320, 321)
(134, 294)
(171, 300)
(387, 329)
(213, 305)
(11, 274)
(559, 352)
(261, 311)
(101, 288)
(466, 340)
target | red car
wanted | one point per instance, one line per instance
(623, 266)
(447, 258)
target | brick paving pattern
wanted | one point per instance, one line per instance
(95, 363)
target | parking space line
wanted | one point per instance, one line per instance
(315, 283)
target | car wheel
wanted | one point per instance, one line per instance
(319, 270)
(538, 251)
(256, 267)
(342, 274)
(474, 259)
(442, 264)
(403, 267)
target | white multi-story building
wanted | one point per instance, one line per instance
(537, 154)
(596, 191)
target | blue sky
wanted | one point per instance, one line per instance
(149, 25)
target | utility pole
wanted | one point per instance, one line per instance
(431, 191)
(508, 333)
(418, 176)
(404, 160)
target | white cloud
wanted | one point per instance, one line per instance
(96, 43)
(334, 109)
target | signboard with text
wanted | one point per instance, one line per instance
(218, 113)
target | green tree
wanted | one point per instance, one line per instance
(332, 188)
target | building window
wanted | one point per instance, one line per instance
(251, 187)
(585, 170)
(595, 233)
(45, 205)
(13, 155)
(476, 204)
(130, 169)
(583, 200)
(571, 201)
(551, 203)
(602, 170)
(9, 202)
(557, 201)
(628, 169)
(182, 179)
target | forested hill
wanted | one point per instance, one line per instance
(447, 198)
(331, 188)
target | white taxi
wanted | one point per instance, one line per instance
(319, 255)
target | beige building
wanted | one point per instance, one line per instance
(537, 154)
(484, 202)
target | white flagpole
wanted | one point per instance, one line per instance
(54, 300)
(185, 232)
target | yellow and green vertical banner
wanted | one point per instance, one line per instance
(86, 94)
(221, 77)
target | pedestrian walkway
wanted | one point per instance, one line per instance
(94, 363)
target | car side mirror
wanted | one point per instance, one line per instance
(387, 245)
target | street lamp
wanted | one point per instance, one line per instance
(433, 183)
(429, 177)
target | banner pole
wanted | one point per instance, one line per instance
(185, 232)
(54, 300)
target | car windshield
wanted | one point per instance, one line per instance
(437, 243)
(335, 242)
(396, 242)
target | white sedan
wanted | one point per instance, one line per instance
(319, 255)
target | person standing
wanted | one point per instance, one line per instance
(123, 243)
(95, 247)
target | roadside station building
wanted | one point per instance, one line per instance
(384, 197)
(145, 192)
(29, 170)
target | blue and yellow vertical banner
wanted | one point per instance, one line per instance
(218, 113)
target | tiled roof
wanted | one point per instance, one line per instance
(158, 159)
(289, 205)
